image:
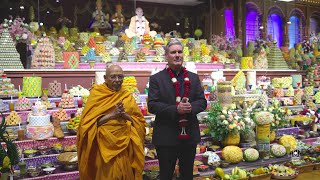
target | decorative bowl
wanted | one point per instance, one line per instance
(44, 150)
(49, 170)
(47, 165)
(29, 153)
(33, 171)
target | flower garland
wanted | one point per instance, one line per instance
(182, 122)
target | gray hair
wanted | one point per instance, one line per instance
(173, 42)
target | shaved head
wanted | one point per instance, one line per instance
(114, 77)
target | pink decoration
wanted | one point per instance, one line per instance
(18, 30)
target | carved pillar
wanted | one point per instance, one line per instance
(285, 32)
(308, 17)
(243, 10)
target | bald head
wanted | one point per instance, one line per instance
(113, 67)
(114, 77)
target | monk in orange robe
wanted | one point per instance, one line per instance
(111, 134)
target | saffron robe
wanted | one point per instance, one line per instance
(114, 150)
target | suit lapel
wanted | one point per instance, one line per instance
(171, 91)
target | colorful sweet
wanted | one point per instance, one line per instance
(140, 57)
(275, 58)
(123, 57)
(67, 101)
(9, 56)
(91, 56)
(6, 87)
(54, 89)
(23, 104)
(2, 106)
(61, 114)
(39, 126)
(114, 52)
(13, 118)
(44, 54)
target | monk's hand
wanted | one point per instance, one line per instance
(126, 116)
(184, 106)
(116, 114)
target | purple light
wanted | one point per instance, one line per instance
(294, 31)
(229, 24)
(252, 26)
(314, 25)
(275, 28)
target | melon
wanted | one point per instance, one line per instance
(251, 155)
(278, 150)
(232, 154)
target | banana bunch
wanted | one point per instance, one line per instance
(74, 123)
(236, 173)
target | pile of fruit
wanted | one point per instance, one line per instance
(236, 173)
(130, 84)
(73, 124)
(281, 170)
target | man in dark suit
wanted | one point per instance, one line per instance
(175, 97)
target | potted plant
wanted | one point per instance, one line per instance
(8, 157)
(224, 125)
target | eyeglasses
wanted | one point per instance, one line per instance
(115, 77)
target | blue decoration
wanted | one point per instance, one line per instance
(91, 56)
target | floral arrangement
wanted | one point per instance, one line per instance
(223, 43)
(280, 115)
(221, 122)
(19, 31)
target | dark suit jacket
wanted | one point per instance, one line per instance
(162, 103)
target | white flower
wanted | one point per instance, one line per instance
(174, 80)
(178, 99)
(24, 36)
(224, 112)
(238, 127)
(225, 122)
(186, 79)
(236, 117)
